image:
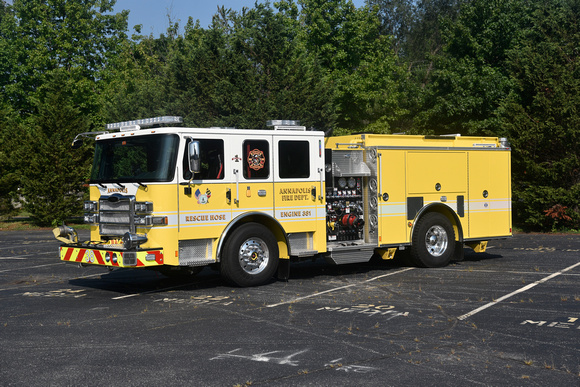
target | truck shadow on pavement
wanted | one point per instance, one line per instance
(137, 281)
(132, 281)
(472, 256)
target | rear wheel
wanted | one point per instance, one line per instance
(433, 241)
(250, 256)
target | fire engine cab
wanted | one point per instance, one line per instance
(248, 202)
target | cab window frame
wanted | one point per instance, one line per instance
(294, 159)
(256, 159)
(212, 155)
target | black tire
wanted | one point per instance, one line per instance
(433, 241)
(250, 256)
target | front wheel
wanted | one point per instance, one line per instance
(250, 256)
(433, 241)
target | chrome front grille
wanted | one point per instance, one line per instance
(116, 215)
(113, 230)
(123, 203)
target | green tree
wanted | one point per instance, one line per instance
(51, 47)
(542, 119)
(337, 32)
(361, 65)
(425, 37)
(246, 68)
(135, 82)
(470, 78)
(52, 181)
(9, 140)
(397, 18)
(509, 68)
(43, 35)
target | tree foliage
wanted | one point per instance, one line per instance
(9, 179)
(542, 117)
(509, 68)
(492, 68)
(39, 36)
(55, 52)
(52, 181)
(361, 67)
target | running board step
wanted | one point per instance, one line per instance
(350, 255)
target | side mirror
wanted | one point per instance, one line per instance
(193, 155)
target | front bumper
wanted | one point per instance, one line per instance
(104, 256)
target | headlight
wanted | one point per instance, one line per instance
(91, 218)
(90, 206)
(145, 207)
(144, 220)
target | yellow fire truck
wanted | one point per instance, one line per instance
(168, 197)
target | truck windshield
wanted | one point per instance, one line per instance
(149, 158)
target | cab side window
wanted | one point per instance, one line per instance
(256, 160)
(294, 159)
(211, 157)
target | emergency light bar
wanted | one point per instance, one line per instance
(285, 125)
(282, 123)
(144, 123)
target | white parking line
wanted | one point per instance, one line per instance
(31, 255)
(152, 291)
(20, 244)
(527, 287)
(127, 296)
(32, 267)
(49, 282)
(339, 288)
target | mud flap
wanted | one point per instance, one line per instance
(283, 270)
(458, 254)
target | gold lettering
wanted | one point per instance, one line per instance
(294, 191)
(111, 190)
(205, 218)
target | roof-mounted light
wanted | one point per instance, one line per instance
(144, 123)
(285, 125)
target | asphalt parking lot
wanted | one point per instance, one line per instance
(507, 317)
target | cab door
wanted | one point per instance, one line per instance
(252, 172)
(204, 208)
(298, 185)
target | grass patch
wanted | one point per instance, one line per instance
(23, 223)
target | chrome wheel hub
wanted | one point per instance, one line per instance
(436, 241)
(253, 255)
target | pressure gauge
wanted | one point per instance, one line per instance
(342, 182)
(351, 182)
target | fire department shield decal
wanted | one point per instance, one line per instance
(256, 159)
